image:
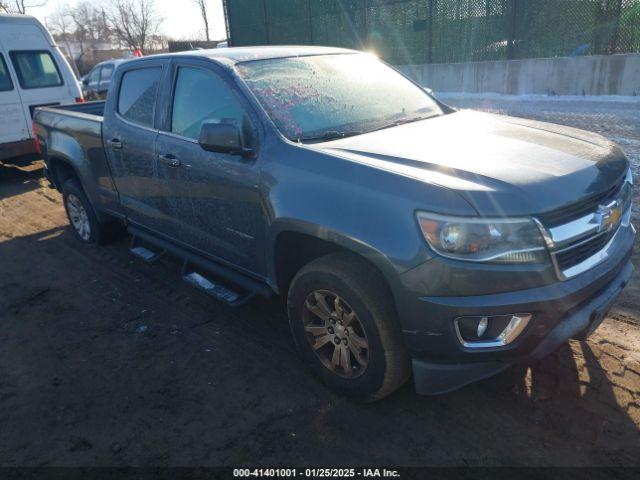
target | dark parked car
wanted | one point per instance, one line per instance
(405, 235)
(96, 83)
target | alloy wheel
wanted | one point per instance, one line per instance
(335, 333)
(78, 216)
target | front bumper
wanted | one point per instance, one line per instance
(560, 311)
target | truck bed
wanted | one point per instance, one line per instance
(88, 108)
(70, 136)
(84, 119)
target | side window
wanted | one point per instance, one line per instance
(5, 80)
(202, 96)
(137, 100)
(107, 71)
(36, 69)
(94, 76)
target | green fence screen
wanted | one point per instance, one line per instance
(441, 31)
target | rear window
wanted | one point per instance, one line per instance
(107, 71)
(94, 76)
(36, 69)
(5, 81)
(137, 101)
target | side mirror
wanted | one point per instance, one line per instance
(222, 138)
(85, 81)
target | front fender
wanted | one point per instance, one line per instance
(364, 209)
(328, 234)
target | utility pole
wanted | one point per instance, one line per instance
(512, 31)
(431, 12)
(266, 21)
(616, 27)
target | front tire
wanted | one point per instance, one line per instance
(344, 323)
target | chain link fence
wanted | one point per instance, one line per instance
(441, 31)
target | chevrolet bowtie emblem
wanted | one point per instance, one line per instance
(608, 216)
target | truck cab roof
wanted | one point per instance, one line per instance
(233, 55)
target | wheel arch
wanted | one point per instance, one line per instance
(62, 169)
(294, 245)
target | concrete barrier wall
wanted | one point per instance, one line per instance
(589, 75)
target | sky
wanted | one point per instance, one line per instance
(182, 20)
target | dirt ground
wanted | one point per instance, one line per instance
(108, 361)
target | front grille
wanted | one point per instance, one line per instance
(601, 217)
(578, 209)
(573, 255)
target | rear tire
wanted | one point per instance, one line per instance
(82, 218)
(344, 323)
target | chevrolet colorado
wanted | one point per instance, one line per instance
(407, 237)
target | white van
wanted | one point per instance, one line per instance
(33, 73)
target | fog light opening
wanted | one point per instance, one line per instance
(490, 331)
(482, 326)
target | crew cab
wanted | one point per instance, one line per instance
(407, 236)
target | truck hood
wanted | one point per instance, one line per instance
(501, 165)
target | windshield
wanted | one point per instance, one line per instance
(333, 96)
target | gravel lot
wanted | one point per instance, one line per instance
(107, 361)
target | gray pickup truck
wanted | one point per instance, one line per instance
(407, 237)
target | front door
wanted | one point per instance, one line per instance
(129, 135)
(212, 199)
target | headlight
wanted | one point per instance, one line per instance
(484, 240)
(629, 177)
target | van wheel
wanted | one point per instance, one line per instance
(82, 218)
(343, 321)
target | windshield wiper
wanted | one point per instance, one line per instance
(335, 134)
(402, 121)
(328, 135)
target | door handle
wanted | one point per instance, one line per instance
(169, 159)
(114, 143)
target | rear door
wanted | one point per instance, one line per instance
(13, 125)
(129, 134)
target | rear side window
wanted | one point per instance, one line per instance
(137, 100)
(36, 69)
(5, 81)
(107, 71)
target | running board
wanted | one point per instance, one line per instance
(230, 286)
(144, 253)
(214, 288)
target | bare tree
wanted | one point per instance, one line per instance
(20, 6)
(134, 22)
(202, 5)
(90, 24)
(59, 22)
(83, 26)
